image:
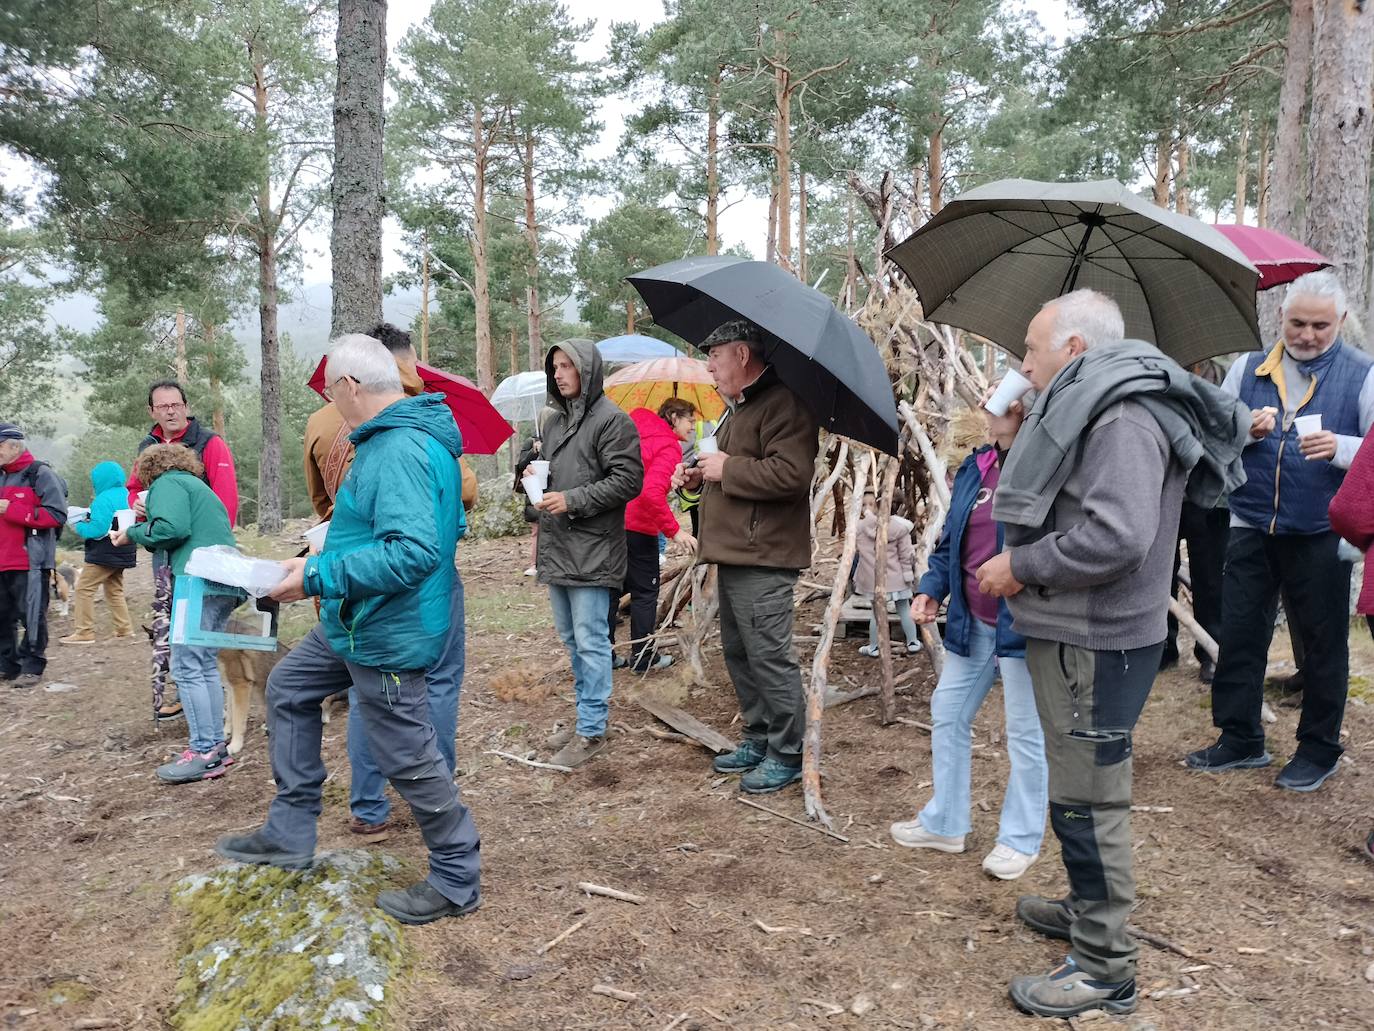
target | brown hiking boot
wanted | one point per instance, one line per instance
(579, 750)
(86, 638)
(370, 833)
(1051, 917)
(560, 736)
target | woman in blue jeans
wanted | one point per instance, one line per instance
(979, 643)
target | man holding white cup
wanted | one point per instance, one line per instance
(1313, 401)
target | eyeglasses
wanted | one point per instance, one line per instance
(173, 407)
(329, 387)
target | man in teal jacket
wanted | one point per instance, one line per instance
(384, 580)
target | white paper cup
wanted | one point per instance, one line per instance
(142, 496)
(534, 490)
(1012, 388)
(1306, 424)
(124, 518)
(707, 446)
(315, 536)
(541, 472)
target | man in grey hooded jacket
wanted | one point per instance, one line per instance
(595, 469)
(1090, 499)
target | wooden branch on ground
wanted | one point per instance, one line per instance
(614, 993)
(1201, 636)
(784, 929)
(530, 762)
(571, 930)
(684, 723)
(791, 819)
(834, 698)
(609, 893)
(1160, 942)
(820, 666)
(916, 723)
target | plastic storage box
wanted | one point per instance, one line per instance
(199, 609)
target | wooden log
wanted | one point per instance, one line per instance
(820, 666)
(880, 586)
(684, 723)
(1201, 636)
(614, 993)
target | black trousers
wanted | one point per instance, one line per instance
(1206, 532)
(641, 584)
(23, 599)
(1307, 569)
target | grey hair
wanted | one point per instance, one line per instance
(1321, 284)
(1092, 316)
(736, 331)
(366, 360)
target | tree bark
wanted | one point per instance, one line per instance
(424, 297)
(802, 264)
(1340, 140)
(1181, 197)
(713, 165)
(1242, 167)
(481, 287)
(881, 586)
(535, 317)
(782, 144)
(1288, 187)
(936, 176)
(1164, 157)
(1262, 186)
(356, 187)
(269, 457)
(771, 248)
(630, 317)
(918, 178)
(183, 373)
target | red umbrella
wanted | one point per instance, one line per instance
(1279, 259)
(481, 425)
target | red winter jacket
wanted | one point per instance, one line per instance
(1352, 515)
(27, 511)
(220, 475)
(661, 451)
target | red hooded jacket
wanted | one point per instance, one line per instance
(1352, 515)
(661, 451)
(27, 511)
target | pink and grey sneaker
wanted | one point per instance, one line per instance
(222, 750)
(192, 766)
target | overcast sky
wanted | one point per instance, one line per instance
(744, 222)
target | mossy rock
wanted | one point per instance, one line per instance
(264, 948)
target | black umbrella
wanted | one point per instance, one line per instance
(822, 356)
(995, 254)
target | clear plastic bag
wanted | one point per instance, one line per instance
(222, 564)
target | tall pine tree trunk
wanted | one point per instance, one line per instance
(481, 286)
(1182, 199)
(182, 370)
(1262, 186)
(1242, 167)
(802, 264)
(1164, 158)
(536, 349)
(713, 165)
(782, 145)
(269, 458)
(1340, 139)
(771, 248)
(1286, 191)
(216, 385)
(355, 242)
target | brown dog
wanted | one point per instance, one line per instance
(245, 673)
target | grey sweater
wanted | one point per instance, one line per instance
(1097, 570)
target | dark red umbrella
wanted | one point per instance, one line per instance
(481, 425)
(1279, 259)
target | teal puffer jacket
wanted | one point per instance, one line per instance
(386, 571)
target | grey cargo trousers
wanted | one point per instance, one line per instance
(401, 738)
(1089, 702)
(756, 637)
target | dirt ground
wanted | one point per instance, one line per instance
(1264, 889)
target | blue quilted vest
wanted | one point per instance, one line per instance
(1284, 493)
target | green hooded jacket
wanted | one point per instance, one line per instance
(183, 514)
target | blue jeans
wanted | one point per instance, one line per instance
(579, 615)
(963, 685)
(202, 695)
(443, 681)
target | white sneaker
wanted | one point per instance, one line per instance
(1007, 864)
(911, 834)
(531, 571)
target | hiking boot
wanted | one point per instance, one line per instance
(1221, 756)
(1304, 775)
(579, 750)
(1007, 864)
(1207, 671)
(255, 848)
(29, 680)
(87, 638)
(420, 904)
(192, 766)
(657, 662)
(743, 759)
(769, 776)
(1067, 991)
(369, 833)
(560, 736)
(910, 834)
(1051, 917)
(169, 711)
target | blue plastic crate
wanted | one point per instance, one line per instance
(210, 615)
